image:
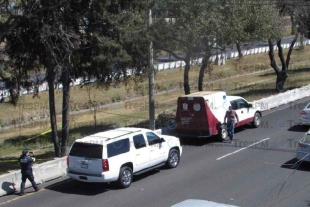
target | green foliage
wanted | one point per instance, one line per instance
(116, 98)
(249, 20)
(143, 91)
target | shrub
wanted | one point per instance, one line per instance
(165, 119)
(116, 98)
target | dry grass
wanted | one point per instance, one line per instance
(128, 112)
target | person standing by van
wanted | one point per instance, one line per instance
(25, 162)
(232, 119)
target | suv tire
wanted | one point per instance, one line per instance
(173, 158)
(125, 177)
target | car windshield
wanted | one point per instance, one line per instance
(306, 139)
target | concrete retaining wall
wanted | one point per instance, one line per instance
(283, 98)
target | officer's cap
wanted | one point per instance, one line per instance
(24, 152)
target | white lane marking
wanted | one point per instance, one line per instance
(242, 149)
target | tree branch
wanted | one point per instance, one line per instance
(273, 63)
(173, 54)
(288, 57)
(281, 55)
(33, 15)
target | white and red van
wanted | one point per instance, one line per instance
(201, 114)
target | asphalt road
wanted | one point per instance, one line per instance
(242, 174)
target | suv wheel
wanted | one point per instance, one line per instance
(125, 177)
(173, 158)
(257, 120)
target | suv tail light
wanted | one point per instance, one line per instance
(105, 165)
(303, 113)
(68, 161)
(301, 145)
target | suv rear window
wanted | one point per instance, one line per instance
(80, 149)
(118, 147)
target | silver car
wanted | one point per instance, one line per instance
(304, 118)
(200, 203)
(303, 149)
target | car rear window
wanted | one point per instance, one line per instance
(118, 147)
(80, 149)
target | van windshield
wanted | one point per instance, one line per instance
(86, 150)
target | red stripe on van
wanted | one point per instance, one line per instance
(214, 123)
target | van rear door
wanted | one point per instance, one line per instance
(191, 114)
(86, 158)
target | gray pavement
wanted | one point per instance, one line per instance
(236, 174)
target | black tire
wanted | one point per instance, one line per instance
(173, 159)
(223, 133)
(257, 120)
(125, 177)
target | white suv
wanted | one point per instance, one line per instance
(117, 155)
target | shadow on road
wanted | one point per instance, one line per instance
(198, 142)
(90, 189)
(79, 188)
(293, 165)
(299, 128)
(137, 178)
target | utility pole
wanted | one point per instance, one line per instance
(151, 79)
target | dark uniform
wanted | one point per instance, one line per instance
(25, 162)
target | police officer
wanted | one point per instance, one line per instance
(25, 162)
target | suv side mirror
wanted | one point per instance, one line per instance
(162, 140)
(250, 105)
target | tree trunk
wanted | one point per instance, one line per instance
(151, 78)
(290, 50)
(14, 91)
(202, 73)
(281, 78)
(293, 26)
(302, 44)
(239, 50)
(51, 93)
(65, 110)
(281, 74)
(203, 67)
(273, 63)
(187, 89)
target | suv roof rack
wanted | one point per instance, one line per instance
(123, 129)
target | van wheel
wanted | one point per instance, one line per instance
(125, 177)
(223, 133)
(173, 158)
(257, 120)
